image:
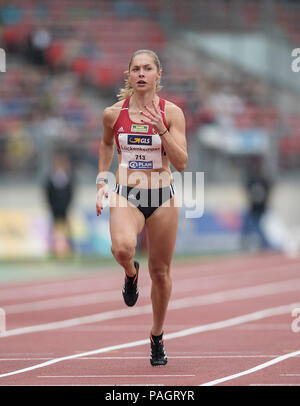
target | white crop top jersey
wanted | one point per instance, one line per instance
(139, 144)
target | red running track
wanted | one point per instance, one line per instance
(230, 322)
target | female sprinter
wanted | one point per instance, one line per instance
(150, 134)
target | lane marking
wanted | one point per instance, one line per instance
(110, 376)
(144, 357)
(23, 359)
(274, 384)
(254, 369)
(56, 288)
(202, 300)
(183, 357)
(94, 318)
(114, 295)
(274, 311)
(105, 384)
(72, 286)
(289, 375)
(63, 302)
(131, 384)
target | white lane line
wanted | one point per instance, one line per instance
(274, 384)
(88, 298)
(289, 374)
(64, 302)
(274, 311)
(24, 359)
(111, 376)
(72, 286)
(202, 300)
(40, 289)
(105, 384)
(252, 370)
(94, 318)
(55, 288)
(181, 357)
(114, 295)
(144, 357)
(131, 384)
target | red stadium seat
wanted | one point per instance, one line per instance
(55, 53)
(81, 66)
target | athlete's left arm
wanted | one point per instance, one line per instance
(174, 140)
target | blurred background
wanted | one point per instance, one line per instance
(226, 63)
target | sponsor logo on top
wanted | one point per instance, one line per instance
(139, 128)
(140, 164)
(139, 139)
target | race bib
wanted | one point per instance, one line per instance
(140, 151)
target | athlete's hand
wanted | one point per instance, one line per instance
(155, 118)
(101, 193)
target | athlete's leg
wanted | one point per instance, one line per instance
(161, 231)
(125, 225)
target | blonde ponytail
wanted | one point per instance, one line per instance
(126, 91)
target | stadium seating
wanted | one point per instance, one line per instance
(89, 45)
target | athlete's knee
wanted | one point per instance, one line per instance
(123, 252)
(159, 272)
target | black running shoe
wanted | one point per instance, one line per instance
(158, 355)
(130, 289)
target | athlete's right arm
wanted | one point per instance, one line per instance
(106, 151)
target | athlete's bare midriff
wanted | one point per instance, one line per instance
(144, 179)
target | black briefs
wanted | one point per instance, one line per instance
(146, 200)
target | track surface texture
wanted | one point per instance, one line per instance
(231, 321)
